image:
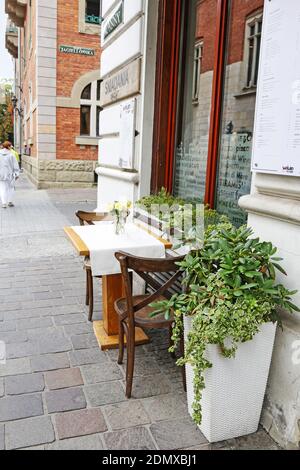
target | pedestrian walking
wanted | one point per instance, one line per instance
(14, 152)
(9, 173)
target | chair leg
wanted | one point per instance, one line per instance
(130, 362)
(121, 342)
(87, 300)
(91, 297)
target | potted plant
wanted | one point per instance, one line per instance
(228, 314)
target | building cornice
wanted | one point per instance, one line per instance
(11, 40)
(16, 11)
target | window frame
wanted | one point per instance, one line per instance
(94, 105)
(197, 70)
(252, 20)
(86, 14)
(83, 26)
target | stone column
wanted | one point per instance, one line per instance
(274, 214)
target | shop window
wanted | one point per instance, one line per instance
(197, 71)
(90, 110)
(237, 120)
(196, 85)
(253, 42)
(228, 163)
(92, 12)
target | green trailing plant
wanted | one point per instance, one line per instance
(230, 291)
(160, 198)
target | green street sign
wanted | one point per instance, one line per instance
(77, 50)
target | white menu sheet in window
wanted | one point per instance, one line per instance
(276, 146)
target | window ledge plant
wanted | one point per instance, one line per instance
(230, 291)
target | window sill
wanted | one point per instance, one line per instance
(86, 140)
(88, 28)
(246, 92)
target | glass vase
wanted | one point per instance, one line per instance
(120, 221)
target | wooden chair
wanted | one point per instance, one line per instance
(135, 311)
(88, 218)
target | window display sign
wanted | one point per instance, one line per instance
(127, 133)
(234, 175)
(276, 146)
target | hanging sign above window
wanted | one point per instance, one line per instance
(112, 22)
(121, 84)
(77, 50)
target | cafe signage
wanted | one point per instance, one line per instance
(111, 23)
(121, 84)
(77, 50)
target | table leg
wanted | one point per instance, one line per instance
(107, 330)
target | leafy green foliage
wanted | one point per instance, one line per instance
(6, 110)
(161, 198)
(230, 290)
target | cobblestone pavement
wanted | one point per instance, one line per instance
(57, 389)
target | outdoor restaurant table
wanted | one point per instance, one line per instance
(100, 243)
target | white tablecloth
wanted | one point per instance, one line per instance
(102, 243)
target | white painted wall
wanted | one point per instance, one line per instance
(136, 37)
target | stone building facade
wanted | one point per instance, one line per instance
(58, 65)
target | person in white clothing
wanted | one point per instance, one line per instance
(9, 173)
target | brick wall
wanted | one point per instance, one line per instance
(71, 66)
(241, 9)
(206, 28)
(67, 129)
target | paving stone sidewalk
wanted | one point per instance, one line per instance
(58, 390)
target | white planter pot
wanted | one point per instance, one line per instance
(234, 388)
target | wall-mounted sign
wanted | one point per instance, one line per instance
(276, 146)
(122, 84)
(112, 22)
(77, 50)
(127, 134)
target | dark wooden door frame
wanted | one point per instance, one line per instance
(216, 102)
(167, 73)
(167, 91)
